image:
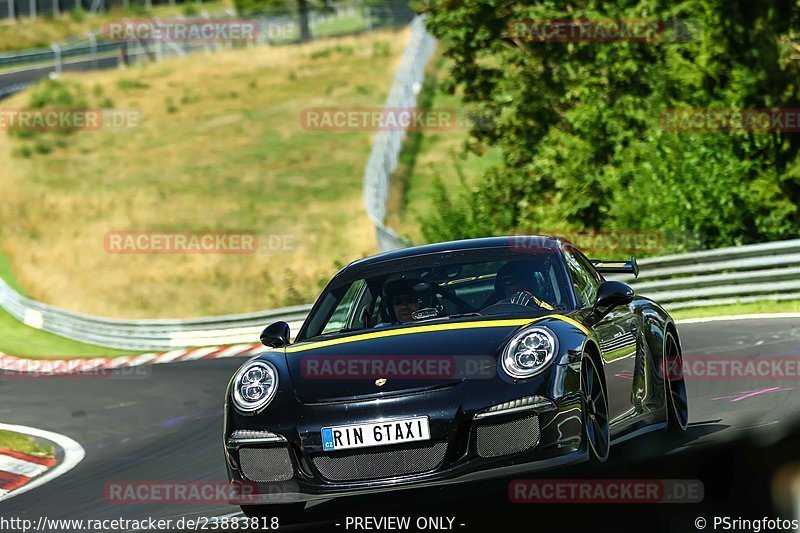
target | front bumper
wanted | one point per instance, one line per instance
(458, 441)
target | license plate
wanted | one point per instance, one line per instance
(380, 433)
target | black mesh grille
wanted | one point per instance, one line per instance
(266, 464)
(354, 466)
(504, 438)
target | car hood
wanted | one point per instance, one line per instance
(409, 359)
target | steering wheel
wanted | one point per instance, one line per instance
(519, 300)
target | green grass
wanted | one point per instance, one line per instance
(341, 26)
(24, 444)
(764, 306)
(24, 341)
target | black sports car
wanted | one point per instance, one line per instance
(451, 363)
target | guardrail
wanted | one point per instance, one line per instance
(95, 50)
(387, 145)
(738, 274)
(146, 334)
(768, 271)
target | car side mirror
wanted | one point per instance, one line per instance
(276, 335)
(611, 294)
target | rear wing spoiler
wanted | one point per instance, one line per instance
(617, 267)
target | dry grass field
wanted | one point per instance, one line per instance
(220, 146)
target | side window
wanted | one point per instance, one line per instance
(583, 280)
(342, 316)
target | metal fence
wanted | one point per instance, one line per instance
(12, 9)
(95, 50)
(387, 145)
(739, 274)
(147, 334)
(768, 271)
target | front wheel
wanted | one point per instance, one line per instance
(595, 411)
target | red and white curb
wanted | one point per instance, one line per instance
(68, 366)
(21, 472)
(17, 469)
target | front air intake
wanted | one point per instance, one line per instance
(504, 438)
(266, 464)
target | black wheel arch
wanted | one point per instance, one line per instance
(655, 323)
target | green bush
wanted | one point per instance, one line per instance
(77, 14)
(578, 125)
(58, 94)
(126, 85)
(51, 94)
(42, 146)
(381, 49)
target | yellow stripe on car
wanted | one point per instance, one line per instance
(431, 328)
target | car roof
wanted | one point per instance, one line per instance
(526, 243)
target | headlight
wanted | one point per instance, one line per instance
(254, 386)
(529, 352)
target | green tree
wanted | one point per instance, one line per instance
(579, 124)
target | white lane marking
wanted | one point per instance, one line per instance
(3, 492)
(120, 405)
(764, 316)
(73, 454)
(20, 467)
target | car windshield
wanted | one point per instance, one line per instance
(441, 291)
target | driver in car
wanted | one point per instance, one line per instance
(404, 297)
(516, 284)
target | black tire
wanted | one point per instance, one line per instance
(595, 417)
(289, 512)
(677, 401)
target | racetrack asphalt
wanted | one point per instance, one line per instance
(166, 424)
